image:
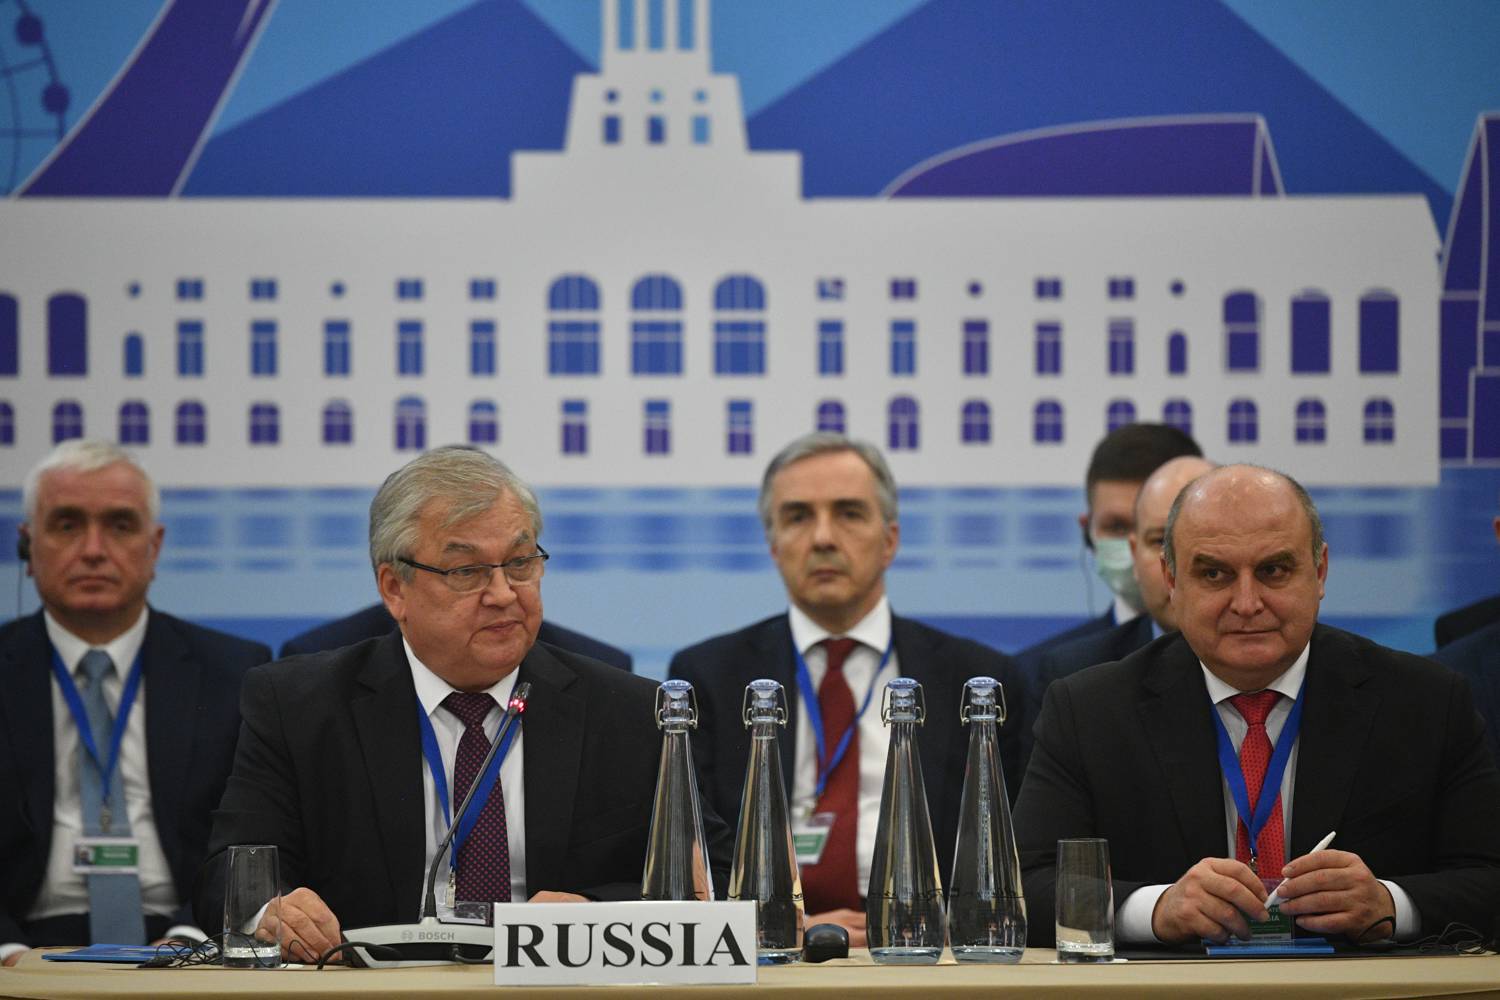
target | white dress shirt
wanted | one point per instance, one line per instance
(873, 634)
(63, 890)
(431, 690)
(1134, 918)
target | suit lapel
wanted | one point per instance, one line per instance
(774, 655)
(1174, 711)
(918, 660)
(385, 720)
(27, 712)
(552, 737)
(171, 680)
(1337, 718)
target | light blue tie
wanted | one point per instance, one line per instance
(114, 900)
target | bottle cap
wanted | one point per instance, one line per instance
(676, 706)
(765, 701)
(983, 699)
(903, 702)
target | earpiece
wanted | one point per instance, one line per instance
(23, 547)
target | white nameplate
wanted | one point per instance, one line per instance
(637, 943)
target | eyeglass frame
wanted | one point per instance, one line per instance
(540, 553)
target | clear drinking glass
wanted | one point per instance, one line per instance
(252, 908)
(1085, 901)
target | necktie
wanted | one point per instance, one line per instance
(1255, 756)
(484, 859)
(833, 883)
(115, 915)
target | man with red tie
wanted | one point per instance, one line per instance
(828, 506)
(1215, 760)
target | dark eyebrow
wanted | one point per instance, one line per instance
(1208, 562)
(1284, 558)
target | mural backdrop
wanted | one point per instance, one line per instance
(635, 246)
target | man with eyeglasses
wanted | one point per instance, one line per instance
(351, 761)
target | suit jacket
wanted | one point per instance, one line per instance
(720, 668)
(375, 621)
(192, 683)
(1462, 621)
(1391, 754)
(1477, 657)
(1064, 658)
(329, 769)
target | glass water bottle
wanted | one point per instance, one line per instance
(904, 904)
(986, 909)
(677, 854)
(765, 862)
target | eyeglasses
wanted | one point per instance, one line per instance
(475, 576)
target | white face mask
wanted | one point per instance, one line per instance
(1116, 568)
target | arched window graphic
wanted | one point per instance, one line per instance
(1244, 425)
(657, 427)
(1311, 421)
(1311, 333)
(265, 424)
(739, 326)
(1121, 347)
(1241, 332)
(1119, 413)
(575, 427)
(976, 347)
(739, 430)
(10, 336)
(67, 420)
(7, 424)
(191, 422)
(1049, 348)
(1178, 413)
(484, 422)
(656, 326)
(189, 348)
(336, 347)
(338, 422)
(67, 335)
(411, 424)
(482, 360)
(1380, 421)
(1379, 333)
(135, 422)
(903, 433)
(830, 347)
(1047, 422)
(975, 424)
(409, 347)
(573, 326)
(831, 416)
(1177, 353)
(263, 347)
(135, 355)
(903, 347)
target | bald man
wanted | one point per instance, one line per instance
(1385, 748)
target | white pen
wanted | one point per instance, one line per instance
(1275, 898)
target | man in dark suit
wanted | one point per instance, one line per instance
(1389, 752)
(344, 756)
(374, 621)
(829, 509)
(90, 541)
(1477, 657)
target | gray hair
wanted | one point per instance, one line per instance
(824, 443)
(84, 455)
(1315, 522)
(466, 479)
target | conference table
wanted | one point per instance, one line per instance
(854, 978)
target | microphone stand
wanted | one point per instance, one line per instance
(429, 941)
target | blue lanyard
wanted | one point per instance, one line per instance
(81, 717)
(828, 763)
(1270, 788)
(440, 781)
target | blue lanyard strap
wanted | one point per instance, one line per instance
(81, 717)
(440, 781)
(1270, 788)
(827, 763)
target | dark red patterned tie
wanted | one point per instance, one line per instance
(484, 860)
(1255, 756)
(833, 883)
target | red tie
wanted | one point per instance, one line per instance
(833, 883)
(1255, 756)
(484, 860)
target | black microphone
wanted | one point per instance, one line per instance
(429, 941)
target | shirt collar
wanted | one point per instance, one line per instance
(432, 689)
(1123, 611)
(1288, 684)
(122, 649)
(873, 630)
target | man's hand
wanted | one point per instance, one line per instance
(308, 926)
(1211, 901)
(1333, 892)
(852, 921)
(548, 896)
